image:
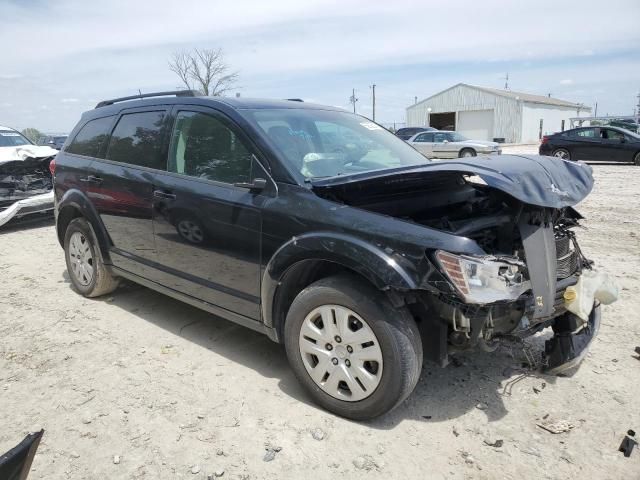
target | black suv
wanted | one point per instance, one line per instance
(327, 233)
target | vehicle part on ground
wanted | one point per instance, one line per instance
(626, 447)
(86, 269)
(16, 463)
(570, 344)
(339, 314)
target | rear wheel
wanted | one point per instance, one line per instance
(636, 159)
(87, 272)
(562, 153)
(352, 351)
(467, 152)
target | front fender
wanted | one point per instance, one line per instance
(78, 200)
(383, 269)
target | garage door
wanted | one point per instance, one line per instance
(476, 124)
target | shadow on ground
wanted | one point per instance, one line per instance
(27, 223)
(476, 379)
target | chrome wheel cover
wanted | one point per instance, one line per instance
(561, 154)
(340, 352)
(81, 259)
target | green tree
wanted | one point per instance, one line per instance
(32, 134)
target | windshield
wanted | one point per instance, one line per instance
(324, 143)
(9, 138)
(456, 137)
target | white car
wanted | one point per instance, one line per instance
(26, 185)
(446, 144)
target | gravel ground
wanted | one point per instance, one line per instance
(138, 385)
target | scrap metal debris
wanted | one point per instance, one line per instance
(628, 443)
(556, 427)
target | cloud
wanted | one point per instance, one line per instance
(566, 81)
(69, 100)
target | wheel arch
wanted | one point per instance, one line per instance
(310, 257)
(74, 204)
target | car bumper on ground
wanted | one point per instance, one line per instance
(36, 204)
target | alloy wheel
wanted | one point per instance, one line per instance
(82, 264)
(340, 352)
(190, 231)
(561, 154)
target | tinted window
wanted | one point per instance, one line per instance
(439, 137)
(205, 146)
(587, 132)
(137, 139)
(611, 134)
(91, 138)
(425, 137)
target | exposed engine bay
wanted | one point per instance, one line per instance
(532, 258)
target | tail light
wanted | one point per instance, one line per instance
(545, 139)
(52, 167)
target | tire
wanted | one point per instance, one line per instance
(89, 276)
(396, 342)
(562, 153)
(636, 159)
(467, 152)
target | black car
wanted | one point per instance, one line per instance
(610, 144)
(53, 141)
(324, 231)
(407, 133)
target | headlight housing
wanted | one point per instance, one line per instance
(483, 279)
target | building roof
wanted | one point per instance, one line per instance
(525, 97)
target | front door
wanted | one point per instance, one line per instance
(442, 147)
(612, 146)
(121, 187)
(424, 143)
(207, 229)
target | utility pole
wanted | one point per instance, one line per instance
(415, 99)
(595, 110)
(353, 99)
(638, 110)
(506, 82)
(373, 88)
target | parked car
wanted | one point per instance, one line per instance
(611, 144)
(447, 144)
(53, 141)
(26, 187)
(407, 133)
(360, 260)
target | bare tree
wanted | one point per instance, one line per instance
(204, 70)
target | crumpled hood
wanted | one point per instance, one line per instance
(533, 179)
(22, 152)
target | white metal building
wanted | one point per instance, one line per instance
(483, 113)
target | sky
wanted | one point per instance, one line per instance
(60, 57)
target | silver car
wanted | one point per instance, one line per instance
(446, 144)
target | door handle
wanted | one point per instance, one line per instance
(91, 179)
(161, 194)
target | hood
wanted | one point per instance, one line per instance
(480, 143)
(533, 179)
(22, 152)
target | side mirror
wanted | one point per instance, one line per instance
(51, 142)
(256, 186)
(445, 141)
(623, 139)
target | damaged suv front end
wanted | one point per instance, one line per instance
(26, 185)
(523, 269)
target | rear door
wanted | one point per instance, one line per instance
(424, 144)
(122, 186)
(585, 143)
(208, 229)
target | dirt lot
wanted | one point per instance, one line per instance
(137, 385)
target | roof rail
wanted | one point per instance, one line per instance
(177, 93)
(295, 100)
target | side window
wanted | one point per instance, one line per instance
(587, 133)
(137, 140)
(425, 137)
(205, 146)
(439, 137)
(91, 138)
(609, 134)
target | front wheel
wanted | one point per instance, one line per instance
(89, 276)
(636, 159)
(352, 351)
(562, 153)
(467, 152)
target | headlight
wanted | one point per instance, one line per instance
(482, 280)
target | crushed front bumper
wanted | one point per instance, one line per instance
(36, 204)
(566, 349)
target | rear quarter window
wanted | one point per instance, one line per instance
(91, 138)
